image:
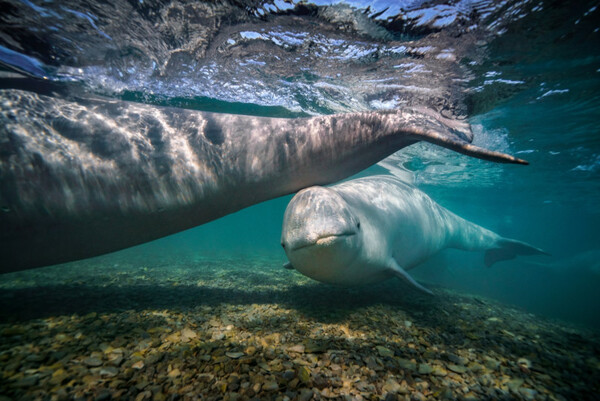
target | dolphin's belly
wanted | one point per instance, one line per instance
(363, 272)
(356, 274)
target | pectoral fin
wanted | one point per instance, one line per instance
(403, 275)
(288, 266)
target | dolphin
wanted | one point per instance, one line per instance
(370, 229)
(81, 176)
(587, 262)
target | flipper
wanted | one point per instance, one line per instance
(404, 276)
(507, 249)
(461, 146)
(288, 266)
(456, 135)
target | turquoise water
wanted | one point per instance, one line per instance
(532, 89)
(546, 112)
(210, 313)
(525, 74)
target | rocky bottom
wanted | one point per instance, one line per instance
(237, 329)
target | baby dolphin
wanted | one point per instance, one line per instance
(371, 229)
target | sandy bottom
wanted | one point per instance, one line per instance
(205, 328)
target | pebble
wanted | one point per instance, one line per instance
(235, 355)
(391, 386)
(439, 371)
(109, 371)
(304, 374)
(485, 380)
(417, 396)
(27, 381)
(306, 394)
(144, 395)
(314, 347)
(457, 368)
(142, 384)
(34, 358)
(475, 367)
(299, 348)
(92, 361)
(514, 384)
(425, 369)
(270, 386)
(153, 358)
(491, 363)
(470, 396)
(115, 359)
(103, 395)
(289, 375)
(458, 360)
(162, 397)
(58, 376)
(528, 393)
(406, 364)
(446, 394)
(384, 352)
(188, 334)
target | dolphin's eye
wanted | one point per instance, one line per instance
(283, 245)
(358, 225)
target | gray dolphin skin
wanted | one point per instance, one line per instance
(371, 229)
(84, 176)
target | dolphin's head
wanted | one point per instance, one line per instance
(320, 234)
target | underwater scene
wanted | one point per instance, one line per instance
(299, 200)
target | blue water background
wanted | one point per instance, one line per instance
(537, 93)
(553, 203)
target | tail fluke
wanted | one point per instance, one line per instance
(507, 249)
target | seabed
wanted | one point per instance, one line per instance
(201, 328)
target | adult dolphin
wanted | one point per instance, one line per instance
(371, 229)
(80, 177)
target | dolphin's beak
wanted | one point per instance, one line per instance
(322, 240)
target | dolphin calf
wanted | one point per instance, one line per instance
(84, 176)
(371, 229)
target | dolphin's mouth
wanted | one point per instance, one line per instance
(322, 240)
